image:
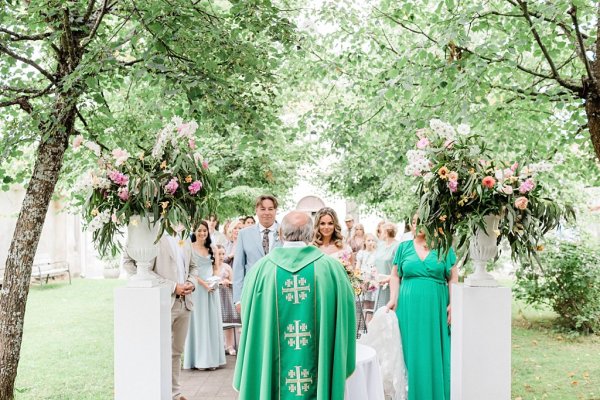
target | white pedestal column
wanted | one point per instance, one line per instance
(481, 343)
(142, 343)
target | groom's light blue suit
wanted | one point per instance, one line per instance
(248, 251)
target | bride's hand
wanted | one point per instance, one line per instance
(391, 306)
(449, 312)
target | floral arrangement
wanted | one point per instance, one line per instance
(169, 183)
(371, 280)
(354, 275)
(458, 183)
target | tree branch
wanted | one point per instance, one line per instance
(402, 24)
(14, 55)
(89, 38)
(567, 84)
(15, 37)
(371, 117)
(588, 68)
(23, 101)
(89, 10)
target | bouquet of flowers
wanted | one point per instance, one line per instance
(354, 275)
(371, 280)
(458, 183)
(169, 183)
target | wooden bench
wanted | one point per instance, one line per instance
(46, 270)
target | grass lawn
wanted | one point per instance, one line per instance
(67, 349)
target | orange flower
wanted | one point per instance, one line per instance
(441, 230)
(488, 182)
(188, 179)
(443, 218)
(163, 165)
(443, 172)
(521, 203)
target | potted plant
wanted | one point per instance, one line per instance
(468, 196)
(167, 188)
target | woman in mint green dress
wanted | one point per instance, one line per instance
(204, 347)
(423, 310)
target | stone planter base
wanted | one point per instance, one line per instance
(111, 273)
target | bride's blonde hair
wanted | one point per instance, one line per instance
(336, 238)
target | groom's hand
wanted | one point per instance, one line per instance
(238, 307)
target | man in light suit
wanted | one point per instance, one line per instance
(254, 242)
(174, 267)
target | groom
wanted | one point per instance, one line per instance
(298, 322)
(254, 242)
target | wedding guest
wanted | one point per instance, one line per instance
(423, 307)
(327, 235)
(213, 225)
(204, 347)
(234, 230)
(249, 220)
(365, 262)
(407, 235)
(357, 241)
(254, 242)
(384, 255)
(379, 231)
(175, 268)
(225, 273)
(274, 363)
(348, 230)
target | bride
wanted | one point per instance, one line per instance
(328, 236)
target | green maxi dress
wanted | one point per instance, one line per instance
(422, 317)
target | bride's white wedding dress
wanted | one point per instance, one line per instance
(384, 337)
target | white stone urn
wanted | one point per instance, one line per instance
(482, 248)
(141, 246)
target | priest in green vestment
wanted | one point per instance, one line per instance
(298, 322)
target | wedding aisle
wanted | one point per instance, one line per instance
(209, 385)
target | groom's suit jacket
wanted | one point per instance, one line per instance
(248, 251)
(165, 267)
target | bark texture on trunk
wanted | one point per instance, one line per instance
(24, 244)
(592, 110)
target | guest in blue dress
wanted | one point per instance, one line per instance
(204, 347)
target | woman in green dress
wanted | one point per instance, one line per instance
(423, 310)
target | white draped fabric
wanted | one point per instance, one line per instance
(384, 337)
(365, 383)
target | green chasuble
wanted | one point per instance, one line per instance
(298, 328)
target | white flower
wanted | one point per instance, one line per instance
(428, 176)
(94, 147)
(463, 129)
(99, 220)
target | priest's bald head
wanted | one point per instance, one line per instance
(297, 227)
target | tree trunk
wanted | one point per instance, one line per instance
(592, 109)
(13, 296)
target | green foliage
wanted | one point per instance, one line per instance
(216, 63)
(386, 69)
(568, 281)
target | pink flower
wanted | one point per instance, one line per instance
(488, 182)
(120, 156)
(123, 193)
(205, 164)
(77, 142)
(526, 186)
(423, 143)
(453, 186)
(171, 187)
(113, 218)
(453, 176)
(521, 203)
(195, 187)
(192, 144)
(118, 177)
(514, 166)
(507, 189)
